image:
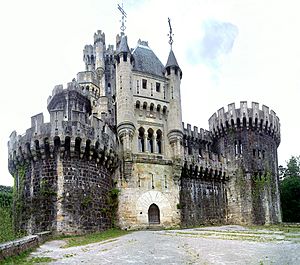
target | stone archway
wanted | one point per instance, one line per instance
(153, 214)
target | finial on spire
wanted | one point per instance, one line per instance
(124, 15)
(170, 33)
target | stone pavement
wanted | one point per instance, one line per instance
(209, 245)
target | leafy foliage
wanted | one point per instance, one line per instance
(290, 190)
(6, 224)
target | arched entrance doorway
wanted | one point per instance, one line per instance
(153, 214)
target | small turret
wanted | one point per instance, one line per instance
(123, 51)
(89, 57)
(172, 64)
(99, 47)
(124, 94)
(174, 74)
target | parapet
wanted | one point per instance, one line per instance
(263, 120)
(96, 141)
(197, 135)
(99, 36)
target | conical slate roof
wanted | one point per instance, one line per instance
(123, 47)
(146, 61)
(172, 60)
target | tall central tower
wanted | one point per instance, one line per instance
(149, 128)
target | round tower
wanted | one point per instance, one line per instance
(248, 138)
(99, 47)
(175, 134)
(63, 170)
(124, 96)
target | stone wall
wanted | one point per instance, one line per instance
(202, 201)
(15, 247)
(63, 195)
(84, 202)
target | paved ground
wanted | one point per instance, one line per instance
(210, 245)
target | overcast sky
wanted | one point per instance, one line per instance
(228, 50)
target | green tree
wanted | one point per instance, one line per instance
(290, 190)
(6, 224)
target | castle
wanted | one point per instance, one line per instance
(116, 151)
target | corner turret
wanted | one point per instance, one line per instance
(172, 64)
(175, 134)
(124, 95)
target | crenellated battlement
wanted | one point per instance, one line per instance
(99, 36)
(76, 141)
(263, 120)
(209, 167)
(196, 134)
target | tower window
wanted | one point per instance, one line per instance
(158, 141)
(125, 56)
(150, 140)
(151, 107)
(157, 87)
(151, 90)
(137, 86)
(141, 141)
(137, 104)
(144, 83)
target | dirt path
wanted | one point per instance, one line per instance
(215, 245)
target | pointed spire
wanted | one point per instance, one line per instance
(172, 60)
(123, 46)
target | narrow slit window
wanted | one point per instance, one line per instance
(144, 83)
(157, 87)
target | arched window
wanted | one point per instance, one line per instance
(77, 146)
(158, 108)
(158, 141)
(87, 149)
(145, 105)
(56, 144)
(164, 110)
(37, 145)
(151, 107)
(141, 141)
(150, 141)
(137, 104)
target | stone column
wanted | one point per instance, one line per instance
(146, 143)
(155, 149)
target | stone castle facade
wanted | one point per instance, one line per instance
(116, 151)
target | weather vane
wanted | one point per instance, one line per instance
(171, 33)
(124, 15)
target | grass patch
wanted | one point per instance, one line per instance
(73, 241)
(286, 228)
(24, 259)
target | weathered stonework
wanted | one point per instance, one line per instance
(117, 130)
